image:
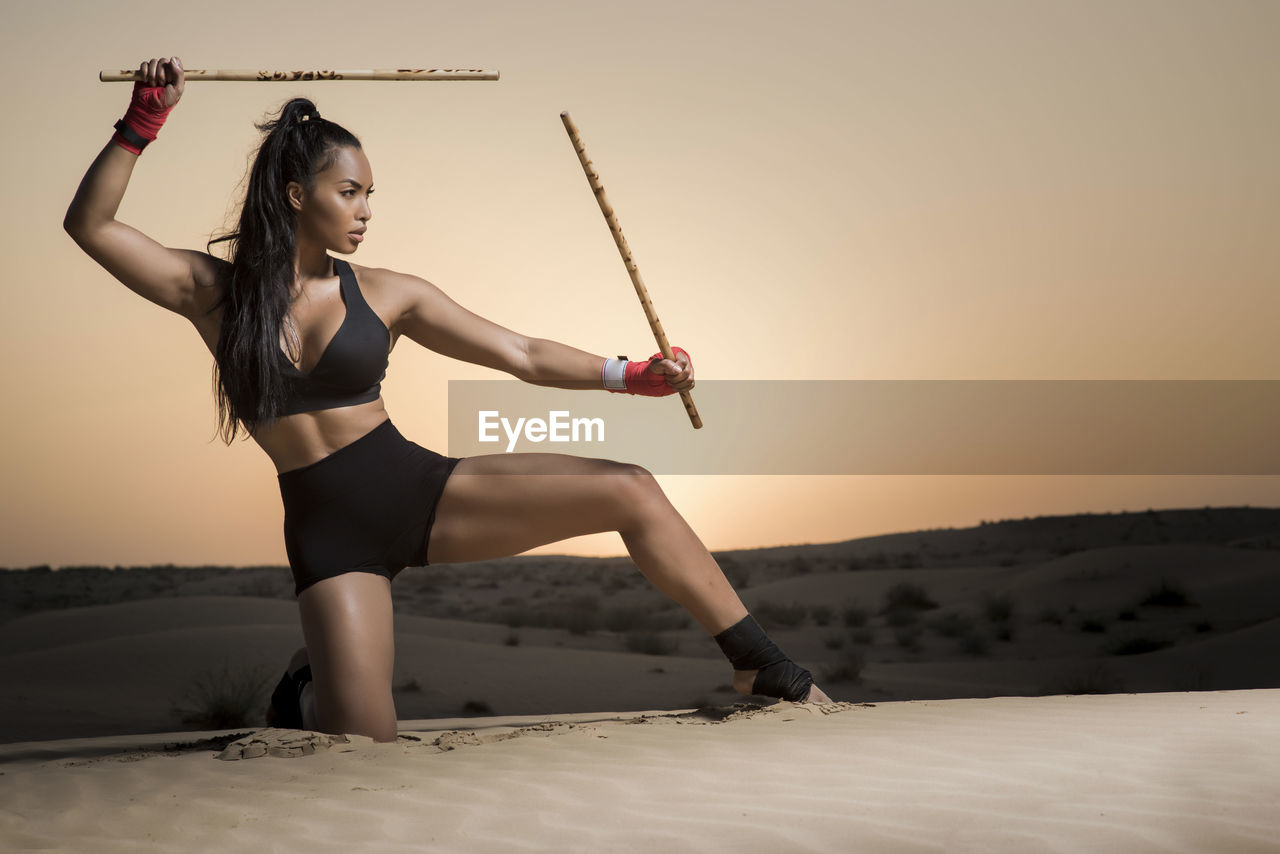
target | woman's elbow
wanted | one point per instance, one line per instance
(520, 358)
(76, 222)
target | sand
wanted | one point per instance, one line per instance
(1103, 715)
(1170, 772)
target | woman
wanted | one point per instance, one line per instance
(301, 341)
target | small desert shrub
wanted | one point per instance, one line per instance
(1004, 631)
(1137, 646)
(224, 698)
(1089, 624)
(1167, 595)
(833, 641)
(651, 643)
(616, 582)
(951, 625)
(864, 635)
(1204, 626)
(854, 616)
(776, 615)
(906, 596)
(821, 615)
(1050, 615)
(847, 667)
(476, 707)
(513, 639)
(800, 565)
(998, 608)
(908, 637)
(1128, 614)
(411, 685)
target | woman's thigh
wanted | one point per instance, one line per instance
(494, 505)
(347, 623)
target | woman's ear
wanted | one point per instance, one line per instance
(293, 191)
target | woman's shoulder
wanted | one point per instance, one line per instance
(391, 285)
(376, 275)
(387, 291)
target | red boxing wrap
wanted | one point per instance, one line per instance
(640, 380)
(145, 116)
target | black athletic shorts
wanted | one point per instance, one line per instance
(367, 507)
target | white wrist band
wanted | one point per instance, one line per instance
(614, 373)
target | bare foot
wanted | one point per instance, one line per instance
(817, 695)
(743, 680)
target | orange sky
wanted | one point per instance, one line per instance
(836, 190)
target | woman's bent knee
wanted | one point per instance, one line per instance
(638, 492)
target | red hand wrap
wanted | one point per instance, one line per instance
(640, 380)
(145, 116)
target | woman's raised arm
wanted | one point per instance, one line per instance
(167, 277)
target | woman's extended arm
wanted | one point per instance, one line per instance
(429, 317)
(167, 277)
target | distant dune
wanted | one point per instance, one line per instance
(1170, 600)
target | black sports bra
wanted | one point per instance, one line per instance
(354, 363)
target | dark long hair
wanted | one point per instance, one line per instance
(249, 382)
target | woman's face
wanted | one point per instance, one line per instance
(334, 214)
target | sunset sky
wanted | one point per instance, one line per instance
(812, 190)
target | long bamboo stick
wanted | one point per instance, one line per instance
(642, 292)
(130, 75)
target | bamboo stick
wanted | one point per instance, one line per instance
(130, 75)
(593, 178)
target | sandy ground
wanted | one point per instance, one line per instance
(1083, 683)
(1170, 772)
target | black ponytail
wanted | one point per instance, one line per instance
(249, 382)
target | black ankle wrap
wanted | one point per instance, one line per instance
(748, 648)
(287, 698)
